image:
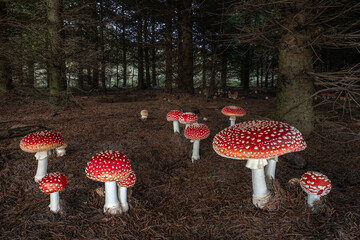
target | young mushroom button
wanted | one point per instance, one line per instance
(196, 132)
(109, 167)
(233, 112)
(41, 143)
(52, 183)
(315, 184)
(188, 118)
(257, 141)
(123, 185)
(173, 116)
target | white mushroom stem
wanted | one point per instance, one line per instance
(261, 194)
(176, 126)
(60, 152)
(54, 202)
(311, 198)
(186, 125)
(196, 151)
(42, 158)
(270, 168)
(232, 120)
(112, 204)
(123, 199)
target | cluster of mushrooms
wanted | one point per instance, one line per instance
(111, 167)
(260, 142)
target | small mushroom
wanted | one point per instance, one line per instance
(315, 185)
(109, 167)
(173, 116)
(53, 183)
(233, 112)
(196, 132)
(144, 114)
(188, 118)
(41, 143)
(123, 185)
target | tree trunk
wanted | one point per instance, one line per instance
(146, 53)
(124, 49)
(204, 56)
(102, 48)
(212, 84)
(153, 54)
(5, 66)
(168, 51)
(188, 81)
(57, 62)
(180, 59)
(30, 76)
(141, 84)
(294, 102)
(245, 69)
(95, 42)
(224, 70)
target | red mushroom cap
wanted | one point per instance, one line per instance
(129, 181)
(258, 140)
(41, 141)
(188, 118)
(233, 111)
(53, 182)
(197, 131)
(108, 166)
(173, 115)
(315, 183)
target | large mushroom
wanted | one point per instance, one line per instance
(173, 116)
(233, 112)
(123, 185)
(196, 132)
(109, 167)
(52, 183)
(41, 143)
(257, 141)
(315, 184)
(188, 118)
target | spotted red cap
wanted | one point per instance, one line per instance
(173, 115)
(108, 166)
(315, 183)
(53, 182)
(41, 141)
(258, 140)
(129, 181)
(233, 111)
(197, 131)
(188, 118)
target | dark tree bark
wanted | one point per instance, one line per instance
(30, 76)
(5, 66)
(212, 84)
(141, 84)
(146, 53)
(95, 42)
(245, 69)
(188, 81)
(168, 51)
(153, 54)
(224, 69)
(204, 67)
(102, 48)
(258, 64)
(124, 49)
(57, 62)
(294, 102)
(180, 60)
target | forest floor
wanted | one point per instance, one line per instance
(173, 198)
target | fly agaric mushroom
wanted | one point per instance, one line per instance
(42, 142)
(188, 118)
(53, 183)
(109, 167)
(233, 112)
(196, 132)
(257, 141)
(144, 114)
(315, 184)
(123, 185)
(173, 116)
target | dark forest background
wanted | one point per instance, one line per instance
(296, 48)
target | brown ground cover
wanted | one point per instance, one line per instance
(172, 198)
